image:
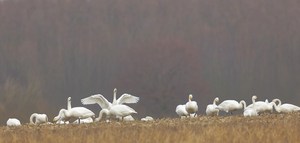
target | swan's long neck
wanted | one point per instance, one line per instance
(103, 111)
(32, 117)
(275, 105)
(215, 101)
(253, 99)
(190, 97)
(243, 104)
(69, 104)
(115, 98)
(65, 113)
(279, 102)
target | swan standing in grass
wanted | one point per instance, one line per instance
(285, 108)
(230, 106)
(119, 110)
(39, 118)
(76, 113)
(191, 106)
(181, 112)
(13, 122)
(211, 109)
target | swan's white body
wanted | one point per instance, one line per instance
(120, 111)
(248, 112)
(211, 109)
(181, 112)
(147, 118)
(191, 106)
(13, 122)
(84, 121)
(285, 108)
(76, 113)
(62, 122)
(39, 118)
(230, 106)
(261, 106)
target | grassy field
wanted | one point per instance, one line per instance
(272, 128)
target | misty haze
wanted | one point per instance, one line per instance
(158, 50)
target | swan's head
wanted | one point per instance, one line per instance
(217, 99)
(69, 98)
(276, 100)
(254, 97)
(190, 96)
(115, 90)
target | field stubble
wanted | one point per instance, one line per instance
(266, 128)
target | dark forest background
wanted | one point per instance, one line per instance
(159, 50)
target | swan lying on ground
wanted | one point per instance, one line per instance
(36, 118)
(191, 106)
(13, 122)
(147, 118)
(84, 121)
(285, 108)
(211, 109)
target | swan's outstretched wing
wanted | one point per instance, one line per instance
(127, 98)
(99, 99)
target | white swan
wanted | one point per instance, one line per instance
(13, 122)
(211, 109)
(76, 112)
(118, 110)
(285, 108)
(261, 106)
(181, 112)
(248, 112)
(39, 118)
(191, 106)
(105, 104)
(230, 106)
(147, 119)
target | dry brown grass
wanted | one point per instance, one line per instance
(266, 128)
